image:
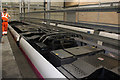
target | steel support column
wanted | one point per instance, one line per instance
(29, 9)
(44, 9)
(24, 9)
(48, 8)
(20, 8)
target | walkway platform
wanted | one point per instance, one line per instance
(14, 64)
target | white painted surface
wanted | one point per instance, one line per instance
(16, 35)
(100, 43)
(46, 69)
(53, 24)
(44, 22)
(102, 33)
(76, 28)
(110, 35)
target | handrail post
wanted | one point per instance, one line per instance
(48, 8)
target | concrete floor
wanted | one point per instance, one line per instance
(14, 64)
(9, 65)
(0, 61)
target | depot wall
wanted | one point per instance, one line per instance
(101, 17)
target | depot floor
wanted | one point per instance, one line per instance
(14, 64)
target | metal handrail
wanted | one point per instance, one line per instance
(103, 7)
(102, 27)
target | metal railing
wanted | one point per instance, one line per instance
(97, 27)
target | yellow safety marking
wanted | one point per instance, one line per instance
(57, 54)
